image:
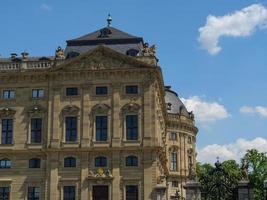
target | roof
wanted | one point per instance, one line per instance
(174, 103)
(114, 38)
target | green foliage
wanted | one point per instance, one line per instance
(257, 163)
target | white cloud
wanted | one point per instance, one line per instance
(260, 110)
(46, 7)
(205, 111)
(241, 23)
(234, 150)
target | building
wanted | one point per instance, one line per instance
(92, 122)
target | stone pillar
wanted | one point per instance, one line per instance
(53, 176)
(84, 175)
(85, 111)
(245, 191)
(193, 190)
(116, 192)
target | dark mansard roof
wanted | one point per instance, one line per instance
(110, 36)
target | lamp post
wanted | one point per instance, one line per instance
(265, 187)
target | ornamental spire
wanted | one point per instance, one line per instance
(109, 20)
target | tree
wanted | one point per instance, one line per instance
(257, 163)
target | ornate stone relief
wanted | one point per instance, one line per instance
(100, 173)
(70, 110)
(100, 109)
(7, 112)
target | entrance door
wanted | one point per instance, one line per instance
(100, 192)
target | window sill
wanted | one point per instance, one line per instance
(6, 146)
(34, 145)
(70, 144)
(101, 143)
(131, 142)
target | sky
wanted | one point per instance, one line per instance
(212, 53)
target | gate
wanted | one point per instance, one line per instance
(218, 185)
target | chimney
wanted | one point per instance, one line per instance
(13, 56)
(24, 55)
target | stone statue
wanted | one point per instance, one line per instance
(60, 53)
(244, 170)
(148, 51)
(192, 176)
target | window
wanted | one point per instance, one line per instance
(131, 127)
(71, 129)
(33, 193)
(71, 91)
(5, 164)
(100, 90)
(131, 161)
(174, 183)
(173, 161)
(172, 136)
(9, 94)
(189, 140)
(7, 131)
(35, 163)
(69, 193)
(101, 161)
(36, 130)
(131, 89)
(131, 192)
(4, 193)
(37, 93)
(70, 162)
(101, 128)
(190, 160)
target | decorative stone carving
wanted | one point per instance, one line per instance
(100, 173)
(7, 112)
(148, 51)
(131, 107)
(244, 170)
(192, 176)
(36, 110)
(100, 109)
(70, 110)
(60, 53)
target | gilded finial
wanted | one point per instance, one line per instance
(109, 20)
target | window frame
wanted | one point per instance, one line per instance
(72, 162)
(40, 130)
(34, 193)
(71, 88)
(101, 165)
(37, 163)
(173, 161)
(7, 163)
(9, 192)
(134, 127)
(38, 96)
(101, 88)
(7, 131)
(131, 162)
(171, 134)
(101, 129)
(63, 192)
(9, 94)
(66, 129)
(131, 89)
(131, 185)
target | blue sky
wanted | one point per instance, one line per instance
(221, 83)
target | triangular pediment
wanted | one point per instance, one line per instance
(99, 58)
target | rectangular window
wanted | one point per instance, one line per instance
(131, 192)
(4, 193)
(71, 129)
(33, 193)
(100, 90)
(189, 140)
(132, 127)
(174, 183)
(131, 89)
(36, 130)
(7, 131)
(101, 128)
(71, 91)
(172, 136)
(37, 93)
(9, 94)
(173, 161)
(69, 193)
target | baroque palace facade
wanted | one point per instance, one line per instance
(93, 122)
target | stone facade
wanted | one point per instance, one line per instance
(50, 165)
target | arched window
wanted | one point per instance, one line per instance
(131, 161)
(70, 162)
(5, 163)
(35, 163)
(100, 161)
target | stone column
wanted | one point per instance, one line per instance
(85, 111)
(193, 190)
(53, 176)
(116, 192)
(84, 175)
(245, 191)
(116, 129)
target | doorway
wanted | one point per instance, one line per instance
(100, 192)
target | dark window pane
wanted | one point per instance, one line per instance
(131, 192)
(71, 91)
(132, 161)
(173, 161)
(71, 129)
(101, 128)
(131, 89)
(35, 163)
(36, 130)
(100, 161)
(132, 127)
(7, 131)
(4, 193)
(33, 193)
(69, 193)
(70, 162)
(101, 90)
(9, 94)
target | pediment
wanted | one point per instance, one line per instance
(99, 58)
